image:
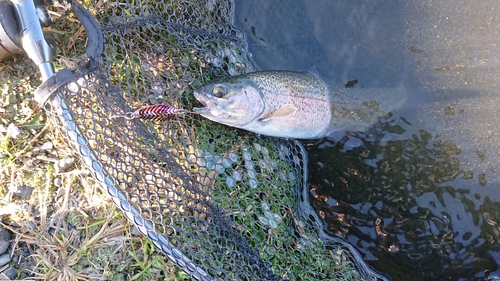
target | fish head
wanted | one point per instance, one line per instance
(234, 103)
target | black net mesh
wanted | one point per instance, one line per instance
(219, 202)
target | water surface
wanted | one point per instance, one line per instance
(420, 198)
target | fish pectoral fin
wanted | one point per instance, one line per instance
(283, 111)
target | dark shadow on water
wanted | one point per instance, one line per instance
(399, 204)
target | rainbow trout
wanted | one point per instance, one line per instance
(294, 104)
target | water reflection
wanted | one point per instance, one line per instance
(405, 204)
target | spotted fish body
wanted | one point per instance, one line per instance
(294, 104)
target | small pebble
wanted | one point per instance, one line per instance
(13, 187)
(52, 231)
(63, 164)
(26, 192)
(4, 240)
(135, 231)
(48, 146)
(13, 131)
(23, 191)
(9, 209)
(4, 259)
(10, 272)
(57, 182)
(30, 225)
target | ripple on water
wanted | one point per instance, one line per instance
(408, 206)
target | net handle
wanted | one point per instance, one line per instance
(94, 50)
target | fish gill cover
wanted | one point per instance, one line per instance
(221, 203)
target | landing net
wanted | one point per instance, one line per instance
(223, 204)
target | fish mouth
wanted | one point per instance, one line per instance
(205, 101)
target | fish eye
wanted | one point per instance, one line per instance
(218, 91)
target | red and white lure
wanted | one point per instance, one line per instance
(157, 112)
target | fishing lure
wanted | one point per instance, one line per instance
(157, 112)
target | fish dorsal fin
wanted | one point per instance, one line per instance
(283, 111)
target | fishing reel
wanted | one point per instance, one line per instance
(21, 31)
(9, 32)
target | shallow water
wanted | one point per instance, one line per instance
(420, 198)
